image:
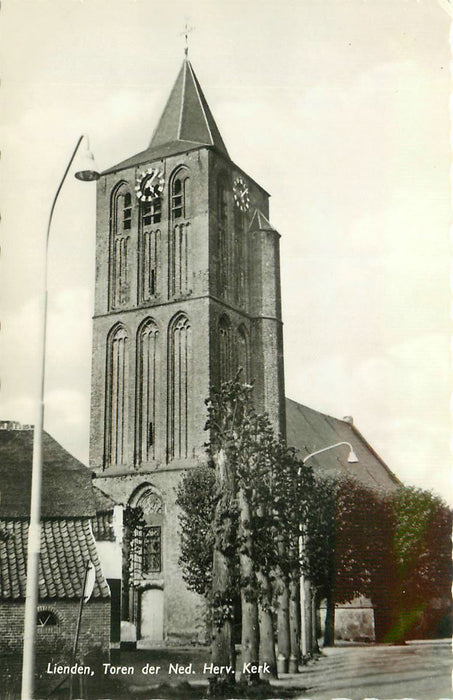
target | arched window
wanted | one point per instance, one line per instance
(116, 414)
(240, 258)
(120, 225)
(146, 541)
(242, 353)
(46, 618)
(146, 391)
(223, 242)
(179, 215)
(149, 262)
(180, 195)
(225, 355)
(179, 349)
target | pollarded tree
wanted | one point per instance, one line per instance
(246, 512)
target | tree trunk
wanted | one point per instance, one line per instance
(314, 622)
(283, 633)
(249, 607)
(294, 625)
(222, 642)
(329, 628)
(266, 624)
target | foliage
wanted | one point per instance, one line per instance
(196, 498)
(132, 541)
(421, 562)
(270, 479)
(393, 548)
(422, 542)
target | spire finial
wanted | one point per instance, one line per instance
(185, 34)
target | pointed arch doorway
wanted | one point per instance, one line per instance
(146, 583)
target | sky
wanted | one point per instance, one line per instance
(338, 108)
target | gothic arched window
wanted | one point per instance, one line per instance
(149, 262)
(240, 258)
(146, 391)
(225, 355)
(120, 225)
(179, 252)
(146, 542)
(223, 243)
(179, 355)
(242, 353)
(117, 398)
(180, 195)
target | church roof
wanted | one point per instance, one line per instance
(308, 430)
(186, 123)
(67, 487)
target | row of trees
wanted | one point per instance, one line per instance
(243, 545)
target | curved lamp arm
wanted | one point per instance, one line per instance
(352, 458)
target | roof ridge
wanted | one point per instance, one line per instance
(181, 109)
(200, 97)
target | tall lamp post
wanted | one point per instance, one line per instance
(87, 173)
(352, 458)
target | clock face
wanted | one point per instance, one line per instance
(241, 194)
(150, 185)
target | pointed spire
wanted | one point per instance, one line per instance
(187, 116)
(186, 123)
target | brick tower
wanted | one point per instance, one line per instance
(187, 290)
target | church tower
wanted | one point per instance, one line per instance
(187, 290)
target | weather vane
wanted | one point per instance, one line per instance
(185, 34)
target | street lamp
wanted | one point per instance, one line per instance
(352, 459)
(87, 173)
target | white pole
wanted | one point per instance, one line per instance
(303, 612)
(34, 531)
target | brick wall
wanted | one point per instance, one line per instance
(54, 640)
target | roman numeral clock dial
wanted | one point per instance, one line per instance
(241, 194)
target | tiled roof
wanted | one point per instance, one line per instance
(186, 123)
(102, 501)
(308, 430)
(103, 527)
(66, 544)
(67, 489)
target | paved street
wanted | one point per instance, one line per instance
(418, 670)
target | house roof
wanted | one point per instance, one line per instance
(308, 430)
(67, 489)
(186, 123)
(66, 544)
